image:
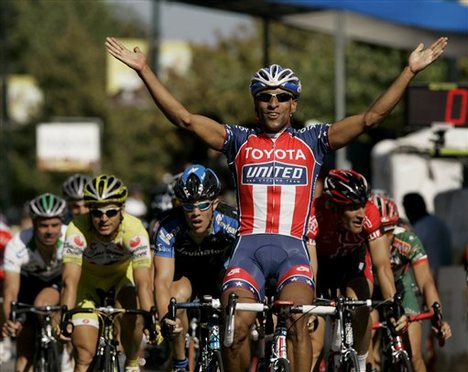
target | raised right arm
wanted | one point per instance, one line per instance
(208, 130)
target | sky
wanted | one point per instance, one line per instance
(185, 22)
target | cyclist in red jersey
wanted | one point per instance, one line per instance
(345, 231)
(275, 168)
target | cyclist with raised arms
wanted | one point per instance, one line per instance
(73, 192)
(345, 232)
(33, 262)
(274, 167)
(192, 243)
(106, 251)
(409, 258)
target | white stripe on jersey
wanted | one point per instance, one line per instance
(260, 200)
(288, 202)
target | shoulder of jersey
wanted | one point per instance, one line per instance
(227, 210)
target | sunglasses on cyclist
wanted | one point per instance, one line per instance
(109, 212)
(202, 206)
(266, 97)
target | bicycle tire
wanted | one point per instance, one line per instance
(280, 365)
(53, 360)
(40, 360)
(111, 360)
(349, 362)
(216, 362)
(402, 363)
(258, 365)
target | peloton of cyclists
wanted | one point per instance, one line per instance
(345, 235)
(275, 168)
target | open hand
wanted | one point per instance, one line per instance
(422, 57)
(135, 59)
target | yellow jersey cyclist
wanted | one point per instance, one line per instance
(32, 271)
(106, 250)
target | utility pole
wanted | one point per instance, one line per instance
(155, 38)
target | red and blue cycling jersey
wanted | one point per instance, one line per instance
(275, 176)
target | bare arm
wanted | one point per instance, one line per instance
(208, 130)
(425, 282)
(163, 276)
(10, 293)
(344, 131)
(142, 277)
(381, 261)
(71, 274)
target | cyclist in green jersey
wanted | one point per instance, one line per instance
(408, 260)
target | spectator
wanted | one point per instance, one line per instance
(431, 230)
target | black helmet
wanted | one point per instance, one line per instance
(197, 183)
(346, 187)
(73, 187)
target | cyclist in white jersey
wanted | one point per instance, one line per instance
(275, 168)
(33, 261)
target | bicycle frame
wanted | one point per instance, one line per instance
(209, 329)
(278, 359)
(46, 354)
(393, 345)
(106, 358)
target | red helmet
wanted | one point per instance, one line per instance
(346, 187)
(388, 210)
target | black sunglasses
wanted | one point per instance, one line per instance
(98, 213)
(203, 206)
(266, 97)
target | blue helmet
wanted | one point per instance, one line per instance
(197, 183)
(275, 76)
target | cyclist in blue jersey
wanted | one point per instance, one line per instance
(191, 243)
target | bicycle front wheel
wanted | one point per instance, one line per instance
(280, 365)
(349, 362)
(47, 359)
(111, 360)
(53, 357)
(402, 363)
(216, 362)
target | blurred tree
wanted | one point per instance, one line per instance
(61, 45)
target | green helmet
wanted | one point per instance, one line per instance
(105, 189)
(47, 206)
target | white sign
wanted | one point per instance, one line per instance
(68, 146)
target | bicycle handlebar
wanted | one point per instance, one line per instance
(110, 312)
(437, 321)
(18, 308)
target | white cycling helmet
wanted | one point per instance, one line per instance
(275, 76)
(47, 206)
(73, 187)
